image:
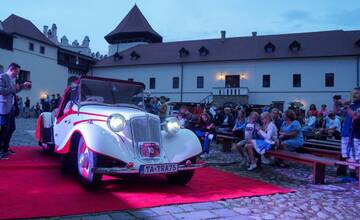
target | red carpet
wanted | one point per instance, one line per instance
(31, 186)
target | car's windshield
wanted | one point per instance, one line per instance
(111, 92)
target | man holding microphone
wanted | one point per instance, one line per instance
(8, 106)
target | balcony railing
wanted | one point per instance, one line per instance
(230, 91)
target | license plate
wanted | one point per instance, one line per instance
(158, 168)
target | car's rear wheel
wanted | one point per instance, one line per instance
(86, 161)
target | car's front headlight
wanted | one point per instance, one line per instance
(116, 122)
(171, 125)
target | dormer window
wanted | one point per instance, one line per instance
(183, 52)
(134, 55)
(357, 43)
(117, 56)
(269, 47)
(203, 51)
(295, 46)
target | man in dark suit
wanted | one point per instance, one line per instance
(8, 90)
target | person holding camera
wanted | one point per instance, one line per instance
(350, 134)
(8, 106)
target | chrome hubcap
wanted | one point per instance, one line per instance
(85, 161)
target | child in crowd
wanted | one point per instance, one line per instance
(249, 134)
(266, 138)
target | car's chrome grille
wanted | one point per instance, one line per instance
(145, 129)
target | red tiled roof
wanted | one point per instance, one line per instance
(313, 44)
(134, 25)
(21, 26)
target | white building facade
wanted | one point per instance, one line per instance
(274, 69)
(40, 59)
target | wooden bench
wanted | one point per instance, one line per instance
(325, 148)
(318, 163)
(323, 144)
(226, 139)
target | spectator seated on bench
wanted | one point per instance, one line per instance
(249, 134)
(275, 116)
(227, 123)
(290, 135)
(332, 126)
(240, 124)
(267, 136)
(205, 131)
(310, 122)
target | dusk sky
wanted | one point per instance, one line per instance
(178, 20)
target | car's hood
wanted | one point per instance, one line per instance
(127, 111)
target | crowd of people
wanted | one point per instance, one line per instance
(45, 104)
(259, 130)
(270, 128)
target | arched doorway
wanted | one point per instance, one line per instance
(72, 79)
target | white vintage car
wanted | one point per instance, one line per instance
(101, 128)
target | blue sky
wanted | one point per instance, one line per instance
(187, 19)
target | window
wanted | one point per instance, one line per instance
(42, 49)
(269, 47)
(266, 81)
(31, 46)
(329, 79)
(296, 80)
(23, 76)
(232, 81)
(175, 82)
(131, 79)
(152, 83)
(200, 82)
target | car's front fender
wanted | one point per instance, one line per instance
(181, 146)
(99, 140)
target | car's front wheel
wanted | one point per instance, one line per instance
(86, 161)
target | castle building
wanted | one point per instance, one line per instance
(257, 69)
(49, 64)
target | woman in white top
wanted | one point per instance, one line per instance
(267, 136)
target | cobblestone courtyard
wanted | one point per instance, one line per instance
(335, 200)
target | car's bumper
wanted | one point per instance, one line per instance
(126, 170)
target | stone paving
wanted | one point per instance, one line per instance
(338, 199)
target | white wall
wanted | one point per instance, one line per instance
(45, 74)
(312, 72)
